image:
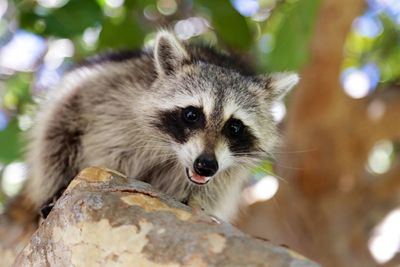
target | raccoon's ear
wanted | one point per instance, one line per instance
(169, 53)
(280, 83)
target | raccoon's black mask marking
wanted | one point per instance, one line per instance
(240, 138)
(174, 123)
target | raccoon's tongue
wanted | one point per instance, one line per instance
(198, 179)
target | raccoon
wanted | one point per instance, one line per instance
(190, 121)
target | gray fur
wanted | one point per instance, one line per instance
(104, 114)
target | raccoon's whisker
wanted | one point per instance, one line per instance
(250, 154)
(273, 174)
(154, 137)
(162, 161)
(295, 151)
(283, 165)
(155, 152)
(159, 138)
(165, 160)
(151, 141)
(267, 160)
(258, 166)
(150, 147)
(158, 155)
(150, 144)
(247, 153)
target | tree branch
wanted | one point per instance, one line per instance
(105, 219)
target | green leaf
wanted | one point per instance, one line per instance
(67, 21)
(19, 85)
(17, 93)
(10, 146)
(230, 26)
(293, 35)
(121, 34)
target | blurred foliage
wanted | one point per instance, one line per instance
(292, 32)
(231, 27)
(9, 143)
(276, 35)
(382, 50)
(69, 21)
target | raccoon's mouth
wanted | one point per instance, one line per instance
(196, 178)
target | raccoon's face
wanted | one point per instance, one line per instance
(215, 118)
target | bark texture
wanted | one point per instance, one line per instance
(105, 219)
(330, 204)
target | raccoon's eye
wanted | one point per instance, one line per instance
(235, 127)
(191, 114)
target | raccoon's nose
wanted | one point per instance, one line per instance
(206, 165)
